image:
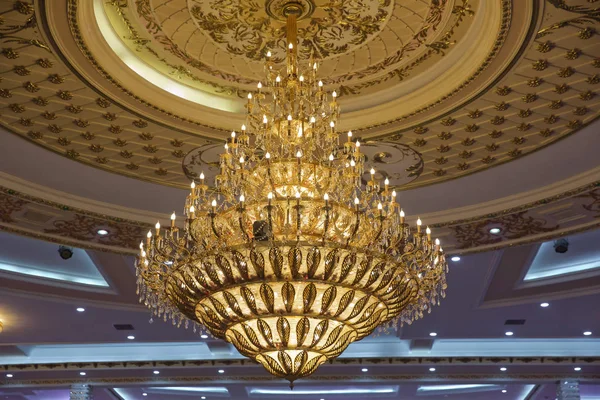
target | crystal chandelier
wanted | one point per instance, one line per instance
(291, 256)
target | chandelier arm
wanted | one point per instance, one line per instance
(355, 229)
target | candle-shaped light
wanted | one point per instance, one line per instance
(428, 232)
(148, 239)
(278, 79)
(242, 199)
(193, 188)
(268, 54)
(226, 148)
(402, 215)
(173, 216)
(357, 147)
(157, 226)
(386, 183)
(270, 197)
(192, 211)
(267, 155)
(313, 120)
(300, 131)
(202, 178)
(356, 202)
(265, 120)
(380, 208)
(243, 128)
(393, 196)
(372, 171)
(326, 198)
(259, 86)
(299, 154)
(349, 136)
(419, 223)
(233, 137)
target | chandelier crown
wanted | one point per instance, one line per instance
(292, 255)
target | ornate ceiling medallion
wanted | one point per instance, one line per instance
(293, 257)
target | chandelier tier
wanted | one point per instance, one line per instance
(291, 256)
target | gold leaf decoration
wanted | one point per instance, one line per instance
(358, 307)
(347, 266)
(302, 329)
(330, 263)
(233, 304)
(333, 336)
(288, 293)
(258, 262)
(320, 329)
(344, 302)
(285, 361)
(283, 329)
(308, 296)
(299, 361)
(265, 331)
(295, 261)
(251, 335)
(268, 298)
(276, 258)
(328, 298)
(312, 261)
(272, 366)
(249, 298)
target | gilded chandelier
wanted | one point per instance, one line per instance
(292, 257)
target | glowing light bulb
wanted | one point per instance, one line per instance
(299, 154)
(372, 171)
(290, 46)
(192, 209)
(259, 86)
(352, 163)
(265, 120)
(387, 181)
(201, 175)
(419, 223)
(301, 78)
(326, 197)
(193, 185)
(278, 79)
(320, 84)
(349, 134)
(214, 203)
(331, 157)
(249, 96)
(428, 231)
(299, 131)
(313, 120)
(332, 124)
(270, 195)
(242, 198)
(334, 94)
(226, 147)
(157, 226)
(243, 127)
(233, 134)
(379, 206)
(402, 213)
(356, 201)
(267, 155)
(149, 235)
(357, 144)
(268, 54)
(437, 242)
(173, 216)
(297, 195)
(242, 159)
(393, 193)
(315, 66)
(289, 117)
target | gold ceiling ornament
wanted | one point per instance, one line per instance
(292, 258)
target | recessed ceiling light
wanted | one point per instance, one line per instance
(203, 397)
(102, 232)
(221, 371)
(365, 370)
(577, 369)
(503, 369)
(131, 337)
(504, 390)
(433, 334)
(80, 309)
(495, 231)
(509, 333)
(82, 373)
(587, 333)
(544, 305)
(204, 336)
(156, 372)
(144, 394)
(455, 258)
(431, 369)
(9, 375)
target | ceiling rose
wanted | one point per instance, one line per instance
(292, 258)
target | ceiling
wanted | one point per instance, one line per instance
(483, 114)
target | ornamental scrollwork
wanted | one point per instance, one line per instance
(585, 15)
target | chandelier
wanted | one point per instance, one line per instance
(291, 256)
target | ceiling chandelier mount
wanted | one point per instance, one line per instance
(291, 256)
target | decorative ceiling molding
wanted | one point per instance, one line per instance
(549, 93)
(573, 211)
(365, 361)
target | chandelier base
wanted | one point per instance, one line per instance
(281, 9)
